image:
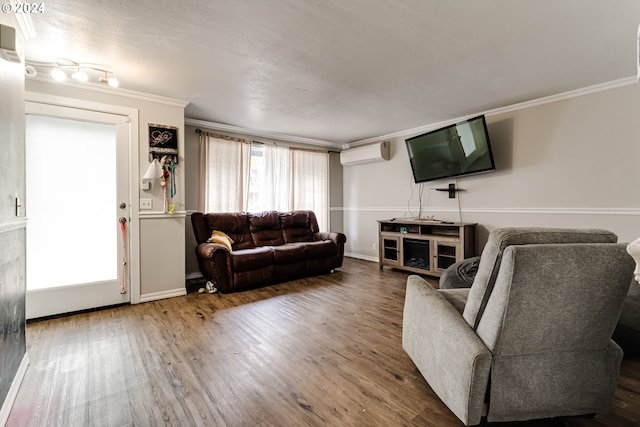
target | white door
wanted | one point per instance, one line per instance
(77, 205)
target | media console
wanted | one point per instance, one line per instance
(424, 247)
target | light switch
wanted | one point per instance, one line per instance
(146, 204)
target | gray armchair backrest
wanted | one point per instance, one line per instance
(548, 324)
(550, 298)
(499, 239)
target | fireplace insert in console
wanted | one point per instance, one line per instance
(416, 253)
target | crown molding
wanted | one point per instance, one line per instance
(514, 107)
(101, 88)
(260, 133)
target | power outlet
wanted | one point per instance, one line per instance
(146, 204)
(375, 247)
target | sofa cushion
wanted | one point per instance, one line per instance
(297, 226)
(460, 274)
(251, 259)
(289, 253)
(235, 225)
(265, 228)
(321, 249)
(221, 238)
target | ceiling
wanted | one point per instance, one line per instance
(344, 70)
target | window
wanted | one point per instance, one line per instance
(270, 178)
(243, 176)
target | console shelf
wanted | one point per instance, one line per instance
(424, 247)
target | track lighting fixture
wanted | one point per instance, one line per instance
(80, 76)
(79, 72)
(30, 71)
(58, 75)
(111, 81)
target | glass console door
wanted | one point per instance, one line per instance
(390, 246)
(446, 255)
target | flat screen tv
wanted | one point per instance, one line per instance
(456, 150)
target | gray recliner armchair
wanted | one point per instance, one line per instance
(531, 338)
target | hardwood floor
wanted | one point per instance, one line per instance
(321, 351)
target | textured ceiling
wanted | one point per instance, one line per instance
(344, 70)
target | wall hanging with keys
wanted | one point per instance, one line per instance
(163, 141)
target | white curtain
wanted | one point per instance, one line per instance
(310, 183)
(224, 176)
(270, 178)
(239, 176)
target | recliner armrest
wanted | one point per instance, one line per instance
(448, 353)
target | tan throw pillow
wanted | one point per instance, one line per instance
(221, 238)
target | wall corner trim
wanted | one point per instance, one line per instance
(7, 405)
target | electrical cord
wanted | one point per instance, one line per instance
(410, 197)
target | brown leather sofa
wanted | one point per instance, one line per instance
(267, 247)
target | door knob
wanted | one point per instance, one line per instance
(123, 205)
(122, 220)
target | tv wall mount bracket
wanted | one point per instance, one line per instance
(451, 189)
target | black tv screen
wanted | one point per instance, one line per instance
(456, 150)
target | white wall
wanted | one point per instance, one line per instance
(163, 274)
(567, 163)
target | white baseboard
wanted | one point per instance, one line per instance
(13, 390)
(360, 256)
(163, 294)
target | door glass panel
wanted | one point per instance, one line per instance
(390, 249)
(71, 202)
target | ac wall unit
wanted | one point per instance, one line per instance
(367, 153)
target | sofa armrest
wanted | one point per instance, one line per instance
(213, 260)
(208, 250)
(448, 353)
(337, 238)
